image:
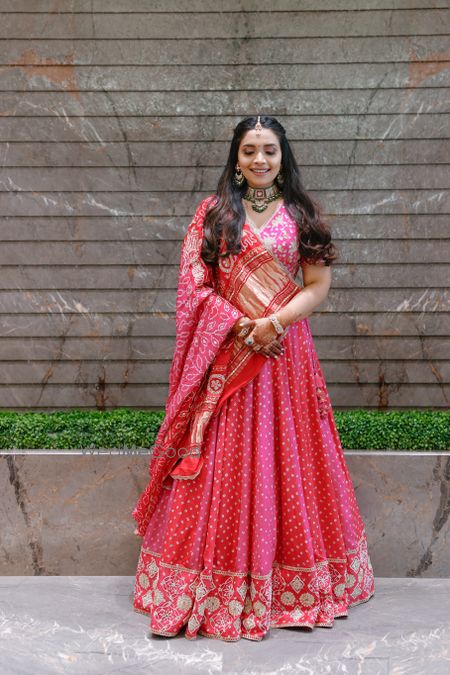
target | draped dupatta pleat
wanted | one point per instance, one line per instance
(210, 363)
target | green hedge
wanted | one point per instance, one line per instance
(125, 428)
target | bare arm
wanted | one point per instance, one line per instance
(317, 282)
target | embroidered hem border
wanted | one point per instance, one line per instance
(231, 605)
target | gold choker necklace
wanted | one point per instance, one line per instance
(260, 198)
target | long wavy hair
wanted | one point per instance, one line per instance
(226, 215)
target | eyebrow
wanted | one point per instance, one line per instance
(267, 145)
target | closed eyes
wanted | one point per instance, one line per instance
(268, 153)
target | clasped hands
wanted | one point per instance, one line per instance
(265, 338)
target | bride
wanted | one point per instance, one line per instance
(249, 520)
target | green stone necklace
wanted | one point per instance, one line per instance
(260, 198)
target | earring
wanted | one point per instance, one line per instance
(238, 176)
(280, 179)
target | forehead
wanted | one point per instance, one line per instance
(265, 137)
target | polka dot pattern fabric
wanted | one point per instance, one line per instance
(269, 534)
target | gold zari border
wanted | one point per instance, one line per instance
(322, 563)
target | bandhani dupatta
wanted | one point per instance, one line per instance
(210, 363)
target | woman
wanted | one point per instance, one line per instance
(249, 519)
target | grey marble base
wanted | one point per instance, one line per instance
(405, 504)
(86, 625)
(70, 514)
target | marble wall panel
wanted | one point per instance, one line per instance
(116, 120)
(66, 514)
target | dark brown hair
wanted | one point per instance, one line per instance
(226, 216)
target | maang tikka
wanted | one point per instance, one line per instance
(258, 126)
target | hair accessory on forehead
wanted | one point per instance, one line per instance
(258, 126)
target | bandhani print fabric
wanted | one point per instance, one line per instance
(269, 533)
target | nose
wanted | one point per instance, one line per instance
(260, 158)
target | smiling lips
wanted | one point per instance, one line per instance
(260, 171)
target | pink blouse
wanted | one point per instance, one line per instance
(279, 234)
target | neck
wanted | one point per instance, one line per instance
(252, 188)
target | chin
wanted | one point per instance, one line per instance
(260, 181)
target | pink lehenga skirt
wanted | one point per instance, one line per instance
(269, 534)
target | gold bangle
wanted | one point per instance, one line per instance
(277, 325)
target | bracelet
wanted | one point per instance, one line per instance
(277, 325)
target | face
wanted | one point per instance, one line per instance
(259, 157)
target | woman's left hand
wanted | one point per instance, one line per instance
(243, 322)
(265, 338)
(264, 332)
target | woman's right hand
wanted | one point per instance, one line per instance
(274, 349)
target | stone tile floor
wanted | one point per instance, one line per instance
(86, 625)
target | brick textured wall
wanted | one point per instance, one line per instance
(115, 121)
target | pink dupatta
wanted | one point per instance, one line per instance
(210, 363)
